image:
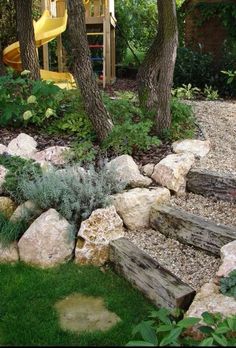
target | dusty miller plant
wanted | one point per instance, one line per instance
(72, 191)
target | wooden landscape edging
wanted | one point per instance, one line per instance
(209, 183)
(191, 229)
(157, 283)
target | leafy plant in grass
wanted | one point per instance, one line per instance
(17, 167)
(186, 92)
(23, 100)
(73, 192)
(168, 328)
(228, 284)
(11, 231)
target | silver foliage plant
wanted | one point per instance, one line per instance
(72, 191)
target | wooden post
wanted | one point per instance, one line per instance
(107, 39)
(45, 5)
(61, 7)
(113, 54)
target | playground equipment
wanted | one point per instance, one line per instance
(100, 22)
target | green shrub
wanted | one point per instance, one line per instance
(24, 101)
(17, 167)
(186, 92)
(183, 124)
(81, 151)
(228, 284)
(11, 231)
(72, 192)
(167, 328)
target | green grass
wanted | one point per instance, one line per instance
(28, 295)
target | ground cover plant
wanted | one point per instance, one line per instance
(28, 296)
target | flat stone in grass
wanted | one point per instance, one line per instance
(79, 313)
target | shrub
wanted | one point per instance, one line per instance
(186, 92)
(81, 151)
(11, 231)
(23, 100)
(17, 167)
(71, 191)
(167, 328)
(182, 125)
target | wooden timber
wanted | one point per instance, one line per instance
(212, 184)
(191, 229)
(157, 283)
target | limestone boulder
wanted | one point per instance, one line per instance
(148, 169)
(134, 205)
(171, 171)
(3, 149)
(26, 211)
(3, 173)
(126, 170)
(49, 241)
(210, 299)
(199, 148)
(95, 234)
(23, 145)
(9, 253)
(228, 257)
(7, 206)
(54, 154)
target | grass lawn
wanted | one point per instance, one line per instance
(28, 295)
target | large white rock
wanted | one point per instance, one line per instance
(53, 154)
(127, 171)
(171, 171)
(23, 145)
(3, 149)
(210, 299)
(26, 211)
(9, 253)
(199, 148)
(3, 173)
(228, 256)
(134, 205)
(95, 234)
(48, 241)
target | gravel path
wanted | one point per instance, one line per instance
(217, 119)
(194, 267)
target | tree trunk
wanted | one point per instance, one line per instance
(155, 76)
(25, 29)
(2, 66)
(83, 71)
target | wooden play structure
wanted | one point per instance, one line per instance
(101, 24)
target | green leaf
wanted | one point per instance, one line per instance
(232, 323)
(208, 318)
(164, 328)
(188, 322)
(207, 342)
(221, 340)
(139, 344)
(206, 329)
(173, 335)
(147, 332)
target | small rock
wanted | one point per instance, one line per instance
(211, 300)
(134, 205)
(95, 234)
(53, 154)
(7, 206)
(3, 173)
(127, 171)
(148, 169)
(199, 148)
(3, 149)
(23, 145)
(9, 253)
(228, 256)
(171, 171)
(26, 211)
(48, 241)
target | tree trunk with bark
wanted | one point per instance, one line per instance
(82, 70)
(25, 30)
(2, 66)
(155, 76)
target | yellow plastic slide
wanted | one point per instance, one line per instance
(46, 29)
